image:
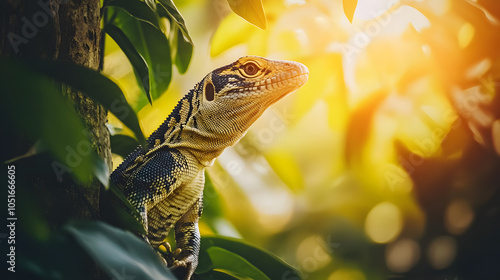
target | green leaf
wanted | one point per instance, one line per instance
(60, 257)
(231, 262)
(96, 86)
(350, 8)
(151, 44)
(138, 10)
(118, 252)
(266, 262)
(138, 64)
(251, 10)
(35, 104)
(123, 145)
(184, 52)
(168, 7)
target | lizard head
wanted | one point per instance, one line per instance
(253, 79)
(234, 96)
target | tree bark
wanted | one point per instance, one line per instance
(66, 31)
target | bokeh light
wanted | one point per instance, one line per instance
(442, 251)
(402, 255)
(459, 216)
(384, 222)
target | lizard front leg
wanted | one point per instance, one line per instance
(187, 237)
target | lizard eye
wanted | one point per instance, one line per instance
(250, 68)
(209, 91)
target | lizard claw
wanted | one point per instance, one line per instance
(167, 246)
(183, 265)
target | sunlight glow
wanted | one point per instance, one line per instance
(368, 9)
(294, 2)
(439, 7)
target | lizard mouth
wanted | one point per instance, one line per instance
(302, 75)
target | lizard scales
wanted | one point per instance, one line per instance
(165, 180)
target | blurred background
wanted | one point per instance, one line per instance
(385, 164)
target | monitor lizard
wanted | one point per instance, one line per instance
(165, 180)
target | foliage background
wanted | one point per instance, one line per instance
(383, 166)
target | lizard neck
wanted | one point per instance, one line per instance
(206, 143)
(211, 148)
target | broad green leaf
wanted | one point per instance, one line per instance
(251, 10)
(138, 63)
(349, 8)
(97, 87)
(266, 262)
(60, 257)
(168, 7)
(123, 145)
(151, 44)
(223, 259)
(119, 253)
(138, 10)
(36, 224)
(35, 104)
(184, 52)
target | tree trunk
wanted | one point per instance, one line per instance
(66, 31)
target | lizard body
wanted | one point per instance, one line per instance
(165, 180)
